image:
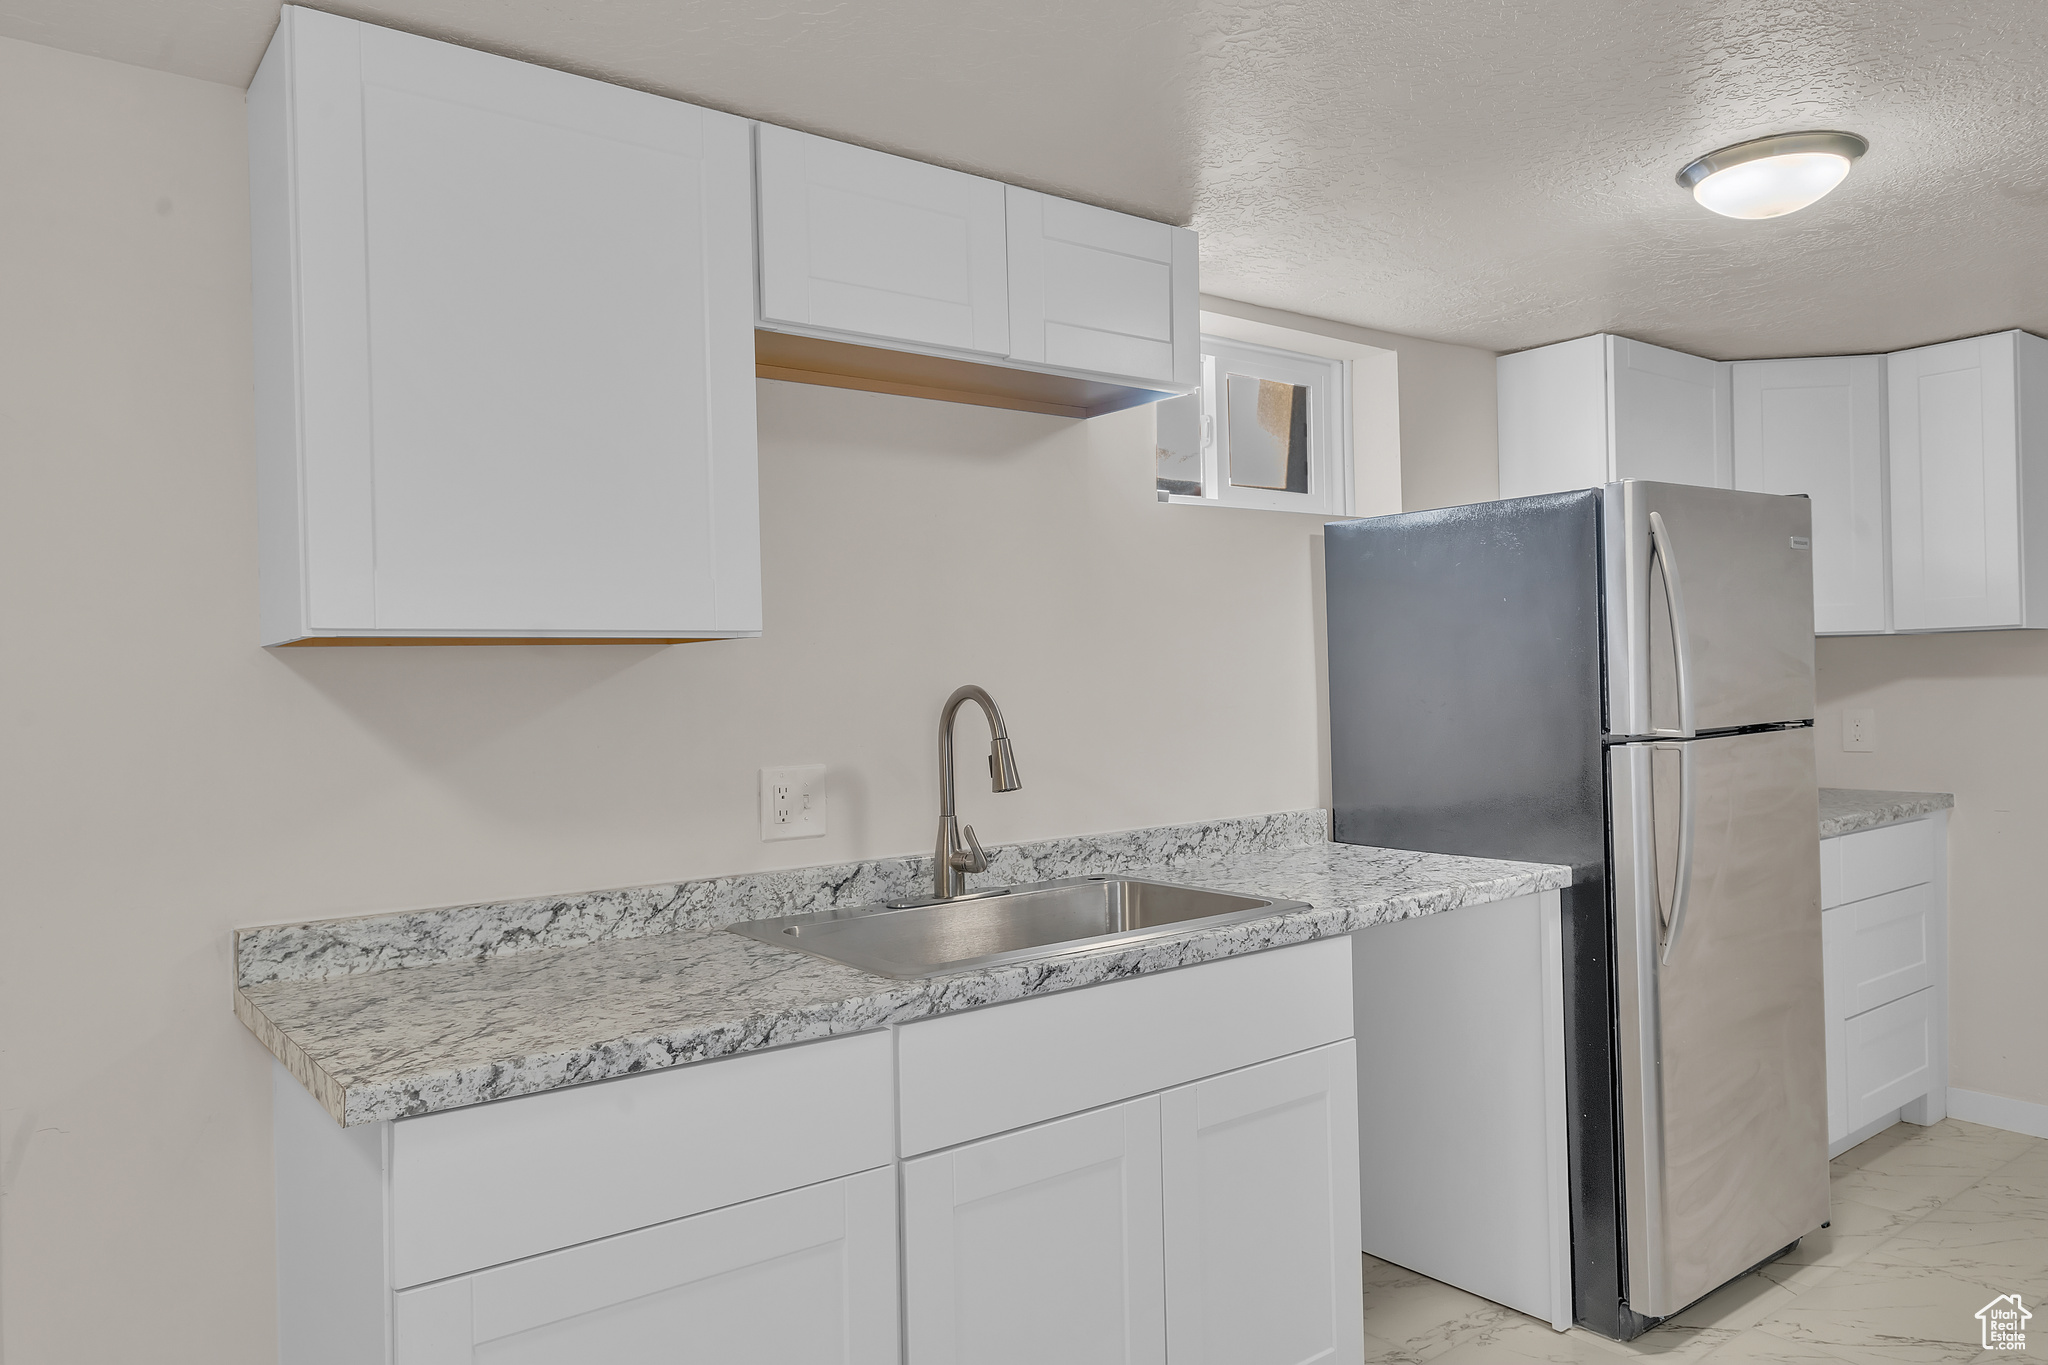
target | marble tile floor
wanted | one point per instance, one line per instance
(1930, 1224)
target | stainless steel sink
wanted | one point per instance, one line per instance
(1010, 924)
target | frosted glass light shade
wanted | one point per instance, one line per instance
(1772, 176)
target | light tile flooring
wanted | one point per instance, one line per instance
(1930, 1224)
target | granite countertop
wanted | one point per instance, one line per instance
(1845, 810)
(393, 1016)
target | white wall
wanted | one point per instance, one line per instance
(1964, 713)
(162, 779)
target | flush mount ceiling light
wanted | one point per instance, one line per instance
(1769, 177)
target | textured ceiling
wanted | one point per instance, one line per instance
(1497, 173)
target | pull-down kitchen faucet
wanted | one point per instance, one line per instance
(950, 861)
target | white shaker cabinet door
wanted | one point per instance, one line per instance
(1100, 292)
(1262, 1214)
(868, 245)
(1668, 416)
(504, 347)
(1817, 427)
(1956, 510)
(806, 1276)
(1039, 1245)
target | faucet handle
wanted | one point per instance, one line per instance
(976, 861)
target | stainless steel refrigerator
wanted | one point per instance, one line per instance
(1621, 679)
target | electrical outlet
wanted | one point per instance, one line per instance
(1859, 729)
(789, 802)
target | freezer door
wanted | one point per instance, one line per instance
(1738, 568)
(1719, 1018)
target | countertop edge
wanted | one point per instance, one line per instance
(899, 1002)
(1856, 809)
(332, 1095)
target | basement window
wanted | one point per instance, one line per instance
(1269, 429)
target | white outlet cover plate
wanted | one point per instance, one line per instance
(789, 802)
(1859, 729)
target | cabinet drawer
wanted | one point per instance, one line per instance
(475, 1187)
(1891, 1056)
(966, 1076)
(808, 1275)
(1874, 861)
(1880, 949)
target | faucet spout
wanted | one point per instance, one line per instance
(953, 860)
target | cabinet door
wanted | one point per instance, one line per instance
(1040, 1245)
(1955, 485)
(1552, 412)
(1261, 1179)
(859, 242)
(504, 347)
(1817, 427)
(805, 1276)
(1102, 292)
(1668, 416)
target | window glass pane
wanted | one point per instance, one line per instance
(1268, 433)
(1180, 444)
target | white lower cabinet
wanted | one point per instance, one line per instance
(1163, 1169)
(1039, 1245)
(1214, 1224)
(1262, 1235)
(809, 1276)
(1884, 930)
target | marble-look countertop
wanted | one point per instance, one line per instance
(1844, 810)
(395, 1016)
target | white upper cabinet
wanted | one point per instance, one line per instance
(1969, 483)
(881, 272)
(1580, 413)
(504, 348)
(1817, 427)
(1102, 293)
(871, 246)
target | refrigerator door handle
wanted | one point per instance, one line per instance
(1681, 637)
(1681, 883)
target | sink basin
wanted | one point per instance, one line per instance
(1011, 924)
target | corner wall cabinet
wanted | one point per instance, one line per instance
(1818, 427)
(1585, 412)
(1884, 935)
(1928, 468)
(1180, 1199)
(503, 342)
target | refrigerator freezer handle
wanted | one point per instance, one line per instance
(1688, 806)
(1681, 638)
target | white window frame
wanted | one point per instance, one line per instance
(1328, 380)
